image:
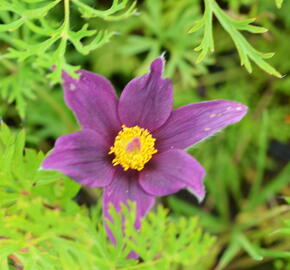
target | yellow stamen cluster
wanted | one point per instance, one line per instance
(133, 148)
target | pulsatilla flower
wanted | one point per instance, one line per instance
(133, 147)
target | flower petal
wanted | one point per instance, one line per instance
(192, 123)
(83, 156)
(124, 187)
(93, 100)
(146, 101)
(170, 171)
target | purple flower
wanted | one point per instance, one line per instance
(133, 147)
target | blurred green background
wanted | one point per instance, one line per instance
(248, 171)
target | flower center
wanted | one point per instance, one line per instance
(133, 148)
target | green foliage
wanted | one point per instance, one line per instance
(16, 87)
(42, 227)
(254, 224)
(284, 231)
(41, 37)
(279, 3)
(233, 27)
(164, 21)
(247, 165)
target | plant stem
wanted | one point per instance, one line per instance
(66, 18)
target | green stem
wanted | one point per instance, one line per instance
(9, 65)
(66, 18)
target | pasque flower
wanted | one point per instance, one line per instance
(133, 147)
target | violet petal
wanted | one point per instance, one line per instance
(146, 101)
(124, 187)
(190, 124)
(94, 102)
(83, 156)
(170, 171)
